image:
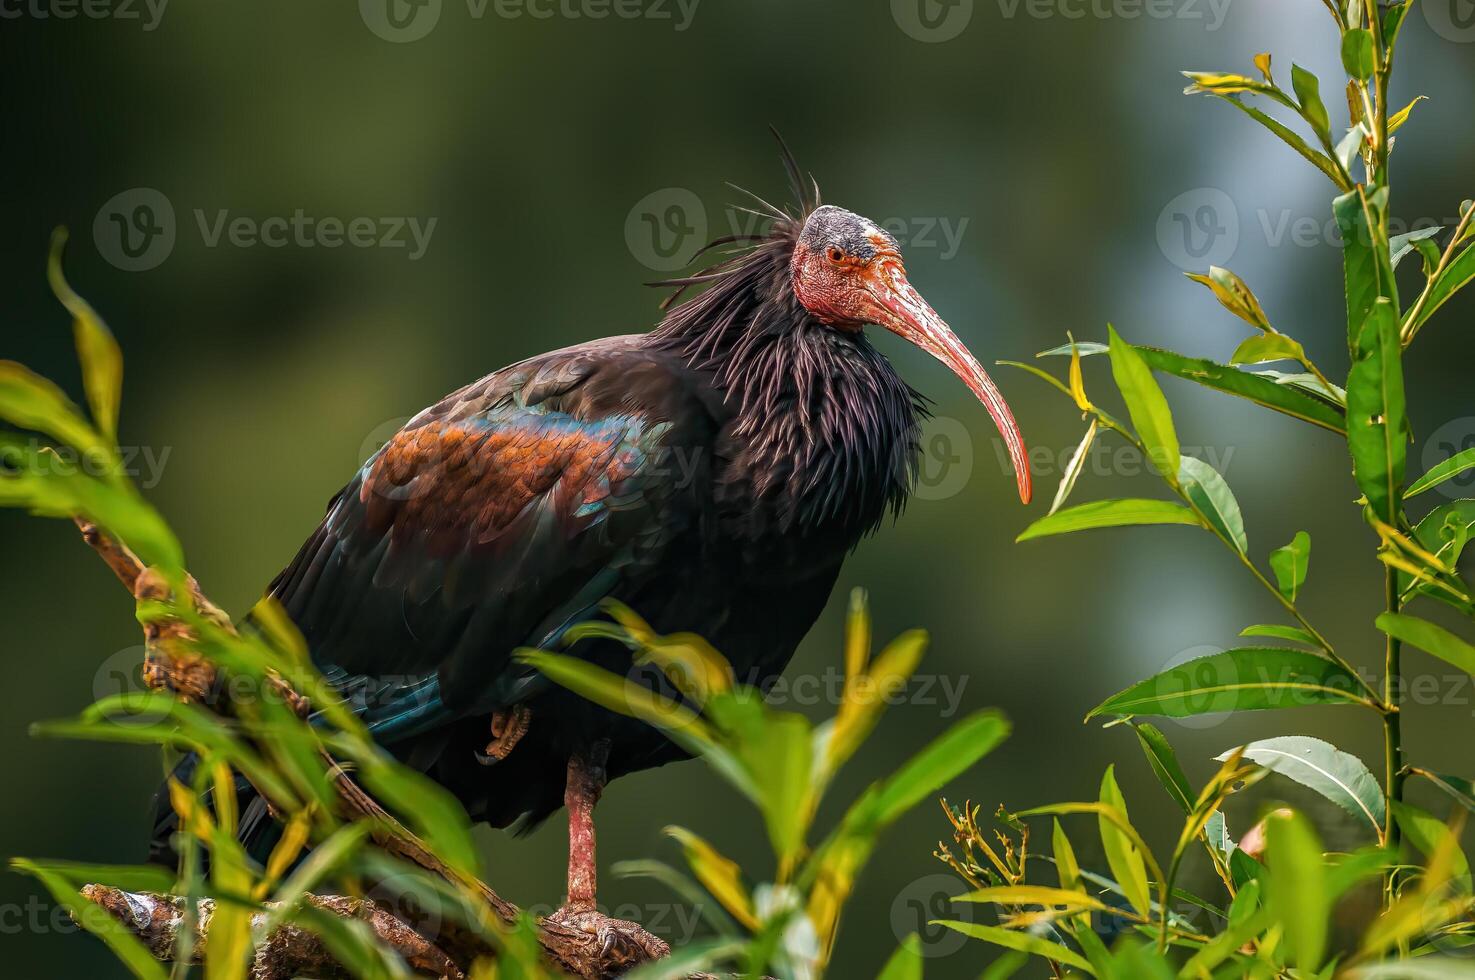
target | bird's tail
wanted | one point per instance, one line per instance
(256, 830)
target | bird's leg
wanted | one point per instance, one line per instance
(624, 941)
(585, 783)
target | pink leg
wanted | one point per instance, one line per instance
(586, 779)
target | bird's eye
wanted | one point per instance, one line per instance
(836, 255)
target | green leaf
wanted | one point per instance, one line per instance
(1251, 385)
(1267, 347)
(1243, 679)
(29, 401)
(1122, 856)
(1290, 565)
(1066, 867)
(1308, 91)
(102, 361)
(1310, 384)
(425, 806)
(1146, 405)
(1377, 426)
(906, 962)
(1293, 633)
(942, 760)
(1429, 637)
(1322, 767)
(1023, 941)
(1401, 245)
(779, 757)
(1357, 53)
(1211, 495)
(1423, 968)
(1425, 831)
(1164, 763)
(1234, 295)
(1067, 898)
(1454, 277)
(1295, 888)
(1109, 513)
(123, 944)
(1367, 268)
(1451, 467)
(1075, 466)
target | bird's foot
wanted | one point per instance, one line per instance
(508, 726)
(616, 940)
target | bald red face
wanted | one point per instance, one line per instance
(847, 272)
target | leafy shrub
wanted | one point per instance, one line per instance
(1280, 889)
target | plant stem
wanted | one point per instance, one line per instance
(1392, 723)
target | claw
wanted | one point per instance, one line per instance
(509, 725)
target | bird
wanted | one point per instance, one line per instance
(711, 474)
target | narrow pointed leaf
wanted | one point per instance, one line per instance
(97, 350)
(1165, 766)
(1451, 467)
(1211, 495)
(1074, 467)
(1023, 941)
(1109, 513)
(1244, 679)
(1267, 347)
(1308, 91)
(1454, 277)
(905, 963)
(1429, 637)
(1295, 634)
(1127, 864)
(1290, 565)
(1367, 269)
(1146, 404)
(1254, 386)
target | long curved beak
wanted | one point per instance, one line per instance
(906, 314)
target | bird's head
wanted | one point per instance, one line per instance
(847, 272)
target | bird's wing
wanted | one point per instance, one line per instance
(494, 520)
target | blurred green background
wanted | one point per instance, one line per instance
(1035, 159)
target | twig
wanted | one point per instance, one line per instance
(288, 952)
